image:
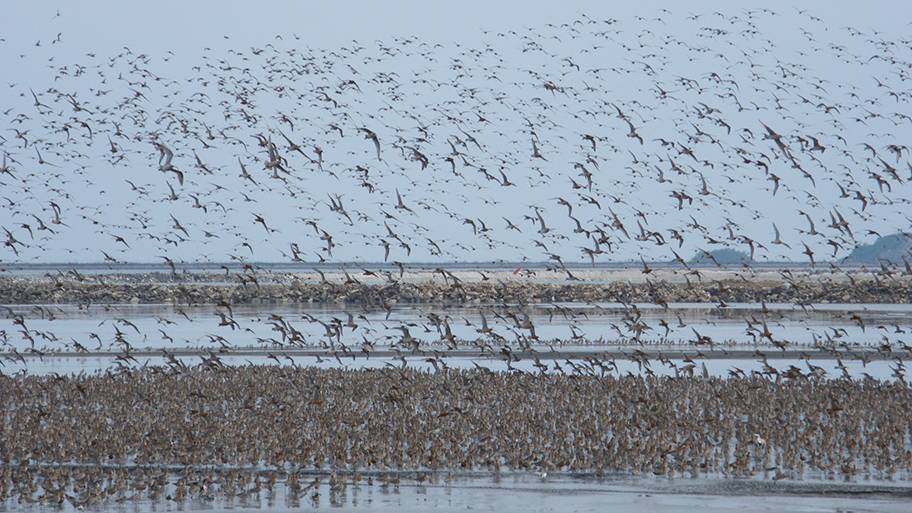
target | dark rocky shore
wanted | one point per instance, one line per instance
(275, 289)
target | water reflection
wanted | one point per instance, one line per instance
(56, 327)
(333, 335)
(514, 492)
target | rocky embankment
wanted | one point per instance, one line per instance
(308, 289)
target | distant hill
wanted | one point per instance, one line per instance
(890, 248)
(724, 256)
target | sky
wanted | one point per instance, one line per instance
(172, 25)
(125, 209)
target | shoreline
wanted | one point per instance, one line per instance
(463, 287)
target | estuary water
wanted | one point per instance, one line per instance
(68, 338)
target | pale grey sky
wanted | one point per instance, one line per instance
(174, 24)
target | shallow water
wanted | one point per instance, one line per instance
(603, 322)
(568, 328)
(535, 494)
(882, 369)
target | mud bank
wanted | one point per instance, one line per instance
(414, 288)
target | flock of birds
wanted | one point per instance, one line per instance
(590, 141)
(243, 431)
(593, 140)
(500, 330)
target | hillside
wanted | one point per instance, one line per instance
(725, 257)
(890, 248)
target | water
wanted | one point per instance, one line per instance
(173, 327)
(536, 494)
(716, 367)
(48, 340)
(580, 330)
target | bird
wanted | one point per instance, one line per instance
(164, 162)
